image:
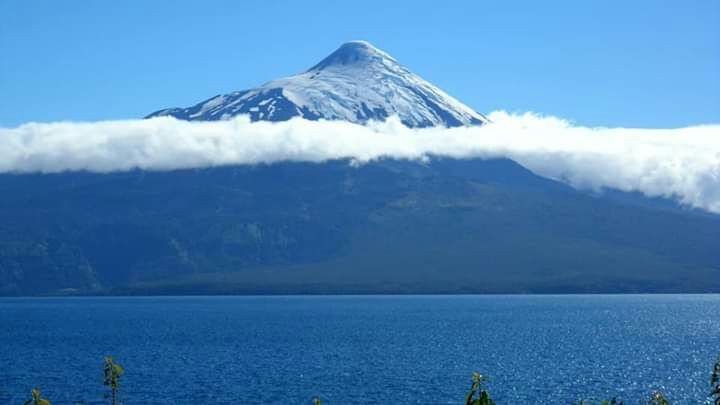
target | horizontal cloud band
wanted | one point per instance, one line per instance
(681, 163)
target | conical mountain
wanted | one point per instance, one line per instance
(356, 83)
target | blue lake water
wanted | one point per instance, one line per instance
(360, 349)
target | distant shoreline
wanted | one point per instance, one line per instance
(358, 294)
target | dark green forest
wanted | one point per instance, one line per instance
(445, 226)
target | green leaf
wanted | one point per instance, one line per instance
(469, 397)
(117, 369)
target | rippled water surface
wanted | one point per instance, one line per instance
(360, 349)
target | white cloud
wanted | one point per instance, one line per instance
(682, 163)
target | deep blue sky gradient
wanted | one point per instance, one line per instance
(601, 63)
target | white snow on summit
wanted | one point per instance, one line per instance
(356, 83)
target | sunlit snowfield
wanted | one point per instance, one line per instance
(360, 349)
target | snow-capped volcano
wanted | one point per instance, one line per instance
(356, 83)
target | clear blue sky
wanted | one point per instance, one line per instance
(611, 63)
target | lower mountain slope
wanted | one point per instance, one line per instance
(447, 226)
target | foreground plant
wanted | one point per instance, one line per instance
(483, 397)
(715, 383)
(113, 372)
(36, 398)
(658, 399)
